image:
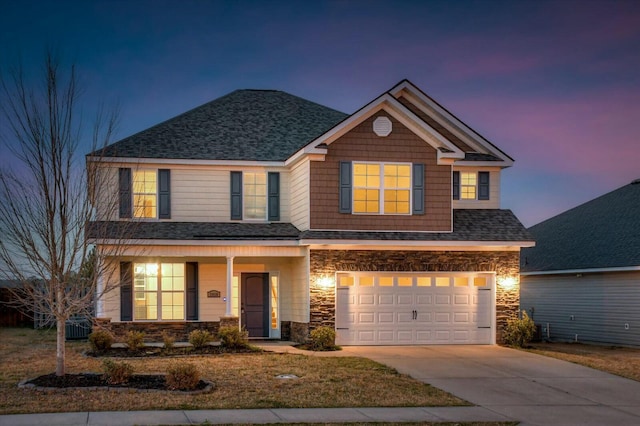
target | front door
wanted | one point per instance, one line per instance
(254, 308)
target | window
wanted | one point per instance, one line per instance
(381, 188)
(468, 183)
(255, 196)
(471, 185)
(159, 291)
(145, 196)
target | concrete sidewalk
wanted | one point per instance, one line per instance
(258, 416)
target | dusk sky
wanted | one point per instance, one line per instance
(554, 84)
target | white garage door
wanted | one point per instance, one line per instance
(407, 309)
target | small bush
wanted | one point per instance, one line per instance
(117, 373)
(519, 331)
(323, 339)
(233, 337)
(182, 377)
(100, 340)
(135, 340)
(200, 338)
(168, 340)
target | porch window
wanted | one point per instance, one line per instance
(159, 291)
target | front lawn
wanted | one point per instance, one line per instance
(241, 381)
(617, 360)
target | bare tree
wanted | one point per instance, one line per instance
(48, 196)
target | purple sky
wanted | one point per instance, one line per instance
(556, 85)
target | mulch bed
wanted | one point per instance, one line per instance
(87, 380)
(153, 351)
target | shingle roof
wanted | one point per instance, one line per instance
(469, 225)
(248, 125)
(192, 231)
(602, 233)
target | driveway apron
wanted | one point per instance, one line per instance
(530, 388)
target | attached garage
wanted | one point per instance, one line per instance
(414, 308)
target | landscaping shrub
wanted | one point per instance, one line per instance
(168, 340)
(182, 377)
(233, 337)
(322, 339)
(200, 338)
(135, 340)
(519, 331)
(117, 373)
(100, 340)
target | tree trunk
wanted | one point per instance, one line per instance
(60, 338)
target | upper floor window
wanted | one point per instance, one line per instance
(255, 196)
(471, 185)
(145, 188)
(144, 194)
(382, 188)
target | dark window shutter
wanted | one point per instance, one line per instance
(273, 199)
(483, 185)
(418, 189)
(345, 187)
(192, 291)
(124, 183)
(236, 195)
(126, 300)
(456, 185)
(164, 194)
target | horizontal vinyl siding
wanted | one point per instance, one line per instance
(200, 195)
(601, 305)
(494, 191)
(300, 195)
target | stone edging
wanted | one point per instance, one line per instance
(24, 385)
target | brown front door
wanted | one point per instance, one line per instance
(254, 308)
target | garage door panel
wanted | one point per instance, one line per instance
(385, 317)
(443, 299)
(443, 317)
(366, 299)
(461, 299)
(419, 314)
(385, 299)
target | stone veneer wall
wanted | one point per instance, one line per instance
(153, 330)
(325, 263)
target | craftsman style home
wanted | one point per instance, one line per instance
(270, 212)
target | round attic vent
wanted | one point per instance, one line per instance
(382, 126)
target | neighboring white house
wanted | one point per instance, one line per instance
(268, 211)
(581, 282)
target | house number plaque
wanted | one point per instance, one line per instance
(213, 293)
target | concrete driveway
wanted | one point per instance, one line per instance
(532, 389)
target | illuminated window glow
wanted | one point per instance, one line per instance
(468, 184)
(159, 291)
(145, 194)
(255, 196)
(381, 187)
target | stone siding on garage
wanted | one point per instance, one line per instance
(325, 263)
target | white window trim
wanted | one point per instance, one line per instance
(381, 188)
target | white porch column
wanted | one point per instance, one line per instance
(229, 285)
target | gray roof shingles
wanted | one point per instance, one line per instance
(602, 233)
(469, 225)
(247, 125)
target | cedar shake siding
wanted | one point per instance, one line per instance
(361, 144)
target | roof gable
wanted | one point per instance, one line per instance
(602, 233)
(244, 125)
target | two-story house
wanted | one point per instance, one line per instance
(268, 211)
